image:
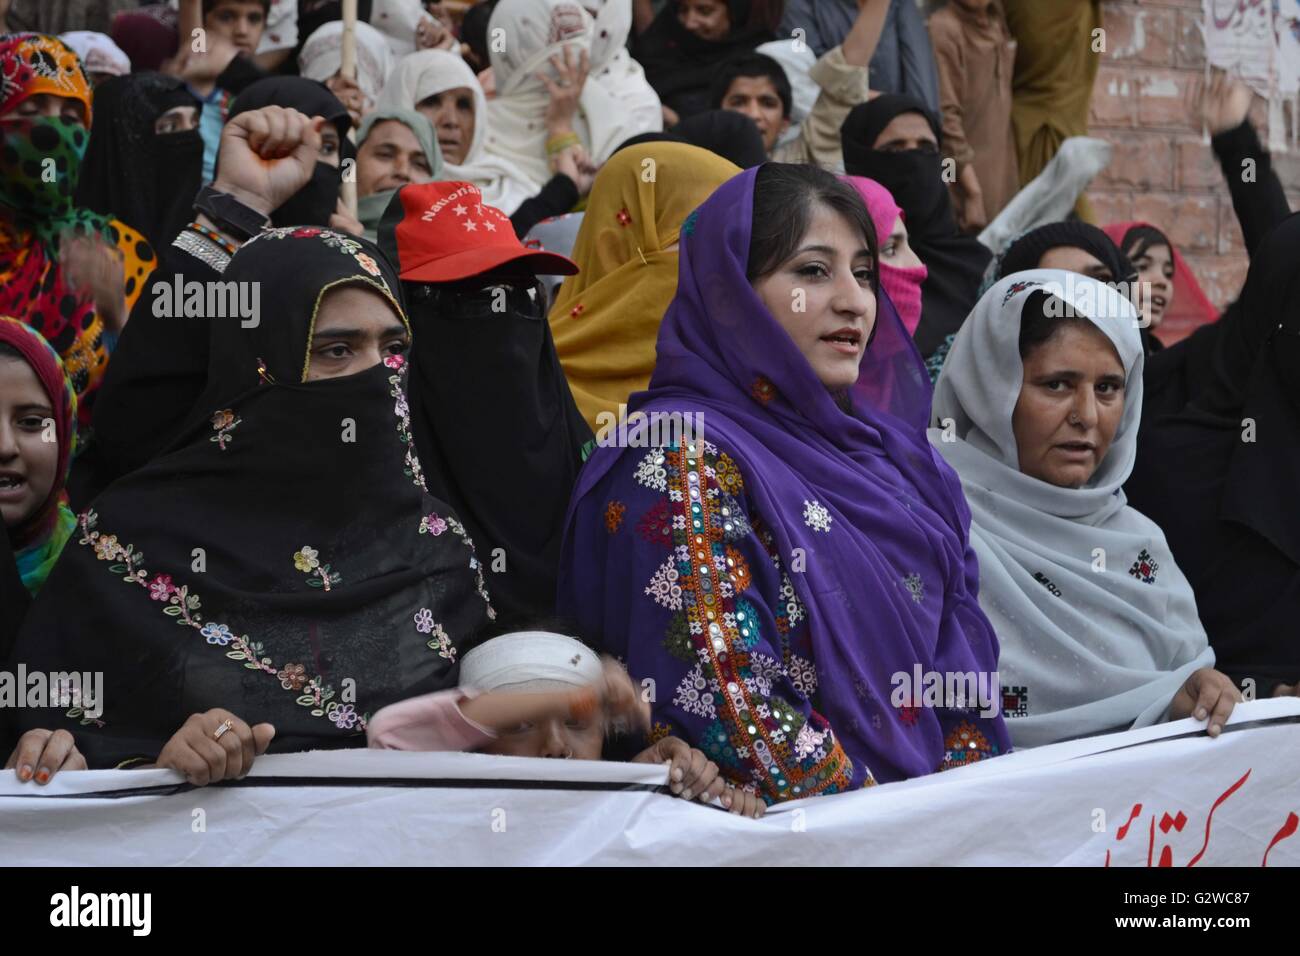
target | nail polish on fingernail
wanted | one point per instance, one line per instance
(25, 773)
(42, 776)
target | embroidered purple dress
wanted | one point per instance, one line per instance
(773, 582)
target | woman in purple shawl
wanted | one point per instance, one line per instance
(785, 578)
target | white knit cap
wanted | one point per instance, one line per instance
(531, 661)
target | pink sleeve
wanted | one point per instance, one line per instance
(431, 722)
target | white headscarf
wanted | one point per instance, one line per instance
(530, 661)
(419, 76)
(97, 52)
(534, 31)
(397, 20)
(1095, 646)
(613, 67)
(322, 56)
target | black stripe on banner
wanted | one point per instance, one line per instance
(1230, 729)
(426, 783)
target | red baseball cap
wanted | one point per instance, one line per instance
(441, 232)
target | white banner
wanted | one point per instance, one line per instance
(1163, 796)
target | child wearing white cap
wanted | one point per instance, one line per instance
(544, 694)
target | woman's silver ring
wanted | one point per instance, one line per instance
(225, 725)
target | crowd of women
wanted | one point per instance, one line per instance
(306, 376)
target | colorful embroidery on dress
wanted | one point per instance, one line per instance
(751, 730)
(965, 745)
(308, 561)
(816, 516)
(1145, 567)
(1015, 701)
(432, 524)
(415, 473)
(425, 624)
(68, 694)
(224, 422)
(688, 224)
(614, 512)
(577, 310)
(658, 732)
(624, 217)
(763, 390)
(915, 587)
(186, 608)
(656, 525)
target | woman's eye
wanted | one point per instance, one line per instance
(336, 351)
(1055, 385)
(864, 275)
(576, 724)
(31, 423)
(397, 347)
(329, 149)
(813, 270)
(889, 250)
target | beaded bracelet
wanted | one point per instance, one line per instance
(220, 239)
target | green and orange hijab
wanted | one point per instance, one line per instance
(40, 159)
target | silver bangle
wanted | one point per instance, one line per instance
(203, 249)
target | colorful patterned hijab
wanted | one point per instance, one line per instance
(888, 586)
(36, 210)
(606, 318)
(40, 539)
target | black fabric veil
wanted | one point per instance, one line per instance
(315, 202)
(956, 262)
(146, 179)
(282, 560)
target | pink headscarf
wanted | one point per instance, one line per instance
(902, 285)
(1190, 307)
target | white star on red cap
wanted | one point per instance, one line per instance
(470, 225)
(490, 227)
(458, 210)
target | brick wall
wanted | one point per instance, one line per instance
(1146, 103)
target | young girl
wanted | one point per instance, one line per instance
(37, 411)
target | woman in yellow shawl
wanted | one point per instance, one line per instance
(606, 318)
(69, 273)
(1056, 65)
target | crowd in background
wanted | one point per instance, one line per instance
(311, 342)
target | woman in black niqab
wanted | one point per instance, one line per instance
(955, 261)
(142, 177)
(282, 560)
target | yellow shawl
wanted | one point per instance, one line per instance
(605, 319)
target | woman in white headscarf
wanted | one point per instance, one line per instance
(442, 86)
(614, 69)
(1037, 409)
(322, 57)
(539, 34)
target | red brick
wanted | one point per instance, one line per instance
(1189, 45)
(1220, 277)
(1108, 207)
(1140, 34)
(1114, 99)
(1140, 162)
(1191, 222)
(1167, 99)
(1198, 168)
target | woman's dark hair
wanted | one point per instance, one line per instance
(9, 350)
(1139, 239)
(474, 31)
(1044, 315)
(751, 65)
(785, 195)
